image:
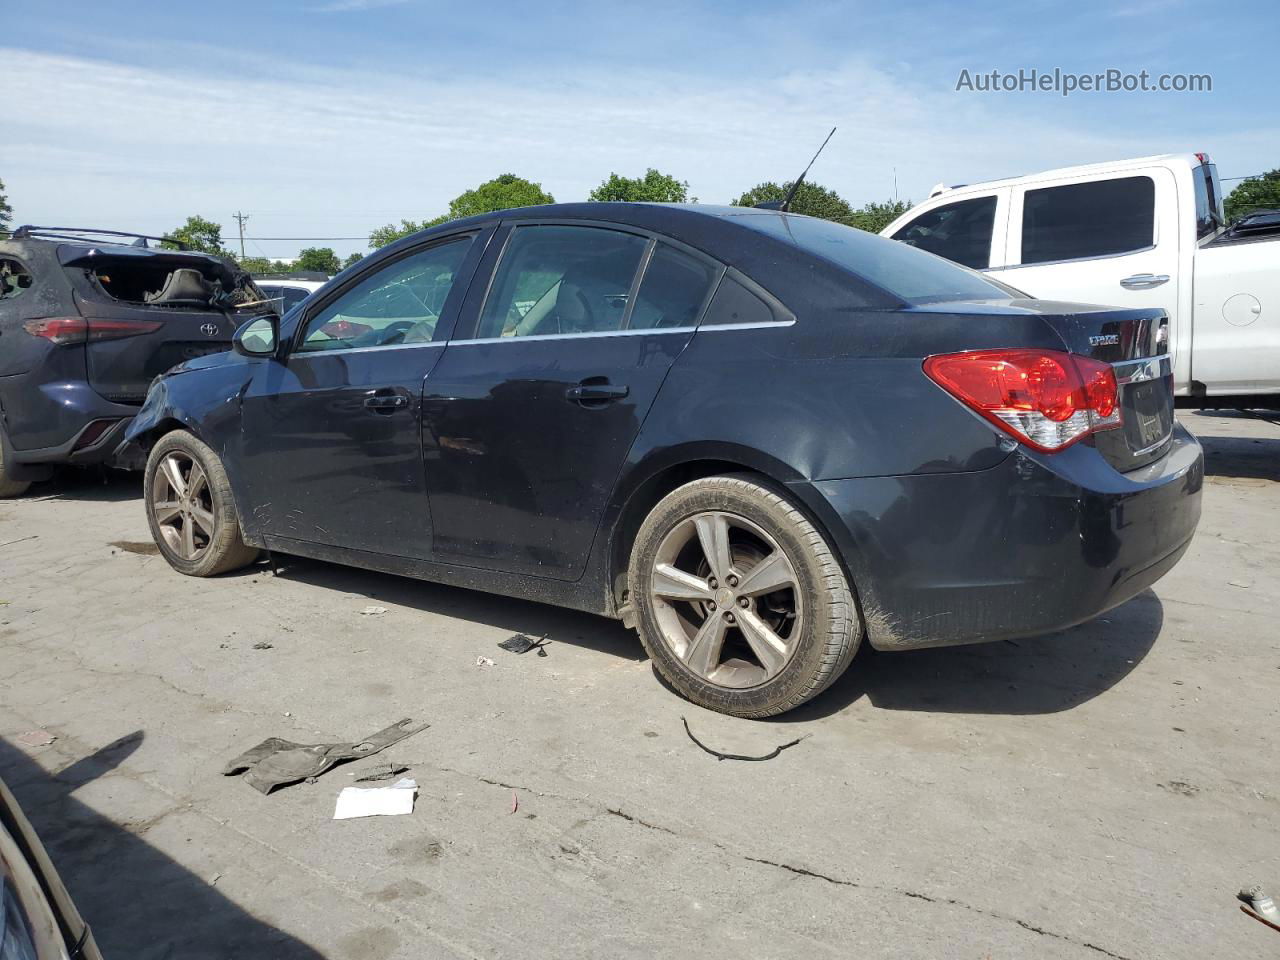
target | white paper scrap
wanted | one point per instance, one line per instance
(376, 801)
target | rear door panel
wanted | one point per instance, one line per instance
(1236, 331)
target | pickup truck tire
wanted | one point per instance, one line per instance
(190, 508)
(740, 601)
(10, 488)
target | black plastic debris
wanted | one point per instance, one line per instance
(520, 643)
(263, 645)
(276, 763)
(383, 771)
(738, 756)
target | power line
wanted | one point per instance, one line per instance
(309, 239)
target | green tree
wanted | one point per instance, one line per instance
(259, 265)
(874, 217)
(319, 259)
(1255, 193)
(6, 212)
(811, 199)
(500, 193)
(391, 233)
(653, 187)
(199, 234)
(352, 260)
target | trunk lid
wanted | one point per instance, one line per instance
(1136, 344)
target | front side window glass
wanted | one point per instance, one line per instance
(558, 280)
(399, 304)
(959, 231)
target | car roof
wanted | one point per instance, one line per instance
(1164, 159)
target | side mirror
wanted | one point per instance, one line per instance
(258, 338)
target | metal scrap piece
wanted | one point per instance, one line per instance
(276, 762)
(383, 771)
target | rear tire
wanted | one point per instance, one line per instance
(190, 508)
(10, 488)
(739, 600)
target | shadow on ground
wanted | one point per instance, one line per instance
(89, 484)
(139, 902)
(505, 613)
(1041, 675)
(1241, 458)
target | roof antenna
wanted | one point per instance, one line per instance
(791, 194)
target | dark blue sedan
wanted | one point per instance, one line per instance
(757, 437)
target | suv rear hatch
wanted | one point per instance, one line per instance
(1136, 344)
(148, 310)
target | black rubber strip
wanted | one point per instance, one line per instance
(738, 756)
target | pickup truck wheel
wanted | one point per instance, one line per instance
(190, 508)
(10, 488)
(739, 599)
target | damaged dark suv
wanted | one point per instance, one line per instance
(87, 319)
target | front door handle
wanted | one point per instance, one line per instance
(596, 393)
(386, 402)
(1144, 281)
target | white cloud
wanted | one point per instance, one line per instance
(334, 153)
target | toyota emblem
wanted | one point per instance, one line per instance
(209, 329)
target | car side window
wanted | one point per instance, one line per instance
(673, 292)
(396, 305)
(15, 279)
(292, 297)
(734, 303)
(561, 280)
(959, 231)
(1096, 219)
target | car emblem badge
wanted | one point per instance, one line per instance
(209, 329)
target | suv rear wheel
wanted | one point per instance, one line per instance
(739, 599)
(190, 508)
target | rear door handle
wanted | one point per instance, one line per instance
(596, 392)
(386, 402)
(1144, 281)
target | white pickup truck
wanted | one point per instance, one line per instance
(1146, 232)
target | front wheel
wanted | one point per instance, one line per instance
(739, 599)
(190, 508)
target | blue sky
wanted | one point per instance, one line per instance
(326, 118)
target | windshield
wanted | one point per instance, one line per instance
(910, 274)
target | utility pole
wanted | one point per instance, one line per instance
(241, 218)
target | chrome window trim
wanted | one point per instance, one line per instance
(652, 331)
(383, 346)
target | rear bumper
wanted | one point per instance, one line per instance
(1036, 544)
(67, 410)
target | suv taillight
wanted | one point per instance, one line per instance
(79, 330)
(1046, 399)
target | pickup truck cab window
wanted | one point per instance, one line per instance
(959, 231)
(1097, 218)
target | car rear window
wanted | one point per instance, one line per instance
(903, 271)
(1100, 218)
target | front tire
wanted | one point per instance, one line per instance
(190, 508)
(740, 601)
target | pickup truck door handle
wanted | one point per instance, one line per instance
(1144, 281)
(386, 402)
(596, 393)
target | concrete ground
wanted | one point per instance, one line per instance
(1102, 792)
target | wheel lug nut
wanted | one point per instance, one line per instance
(744, 602)
(732, 580)
(711, 604)
(713, 583)
(729, 617)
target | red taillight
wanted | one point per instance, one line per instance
(59, 329)
(1047, 399)
(1204, 158)
(79, 330)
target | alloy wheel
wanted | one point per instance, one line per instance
(727, 599)
(182, 505)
